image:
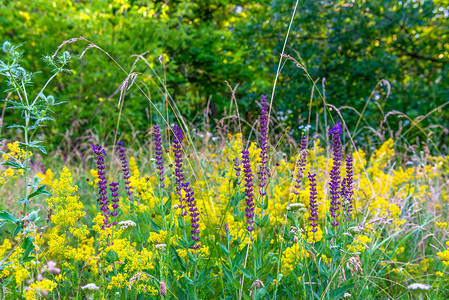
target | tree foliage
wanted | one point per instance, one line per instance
(351, 44)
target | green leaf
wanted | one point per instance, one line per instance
(42, 149)
(265, 202)
(245, 272)
(223, 247)
(40, 191)
(13, 164)
(4, 215)
(157, 227)
(17, 230)
(181, 224)
(24, 201)
(239, 258)
(261, 292)
(227, 273)
(266, 220)
(28, 246)
(189, 281)
(257, 221)
(28, 259)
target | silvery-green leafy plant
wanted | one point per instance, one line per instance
(35, 110)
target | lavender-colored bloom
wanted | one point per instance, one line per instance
(249, 196)
(159, 155)
(237, 168)
(312, 203)
(263, 138)
(348, 187)
(101, 169)
(343, 194)
(303, 143)
(125, 169)
(193, 214)
(226, 228)
(179, 176)
(335, 172)
(301, 165)
(113, 187)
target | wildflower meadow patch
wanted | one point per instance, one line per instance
(230, 214)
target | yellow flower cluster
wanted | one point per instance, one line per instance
(10, 174)
(67, 213)
(16, 152)
(13, 265)
(359, 244)
(66, 205)
(46, 178)
(441, 224)
(291, 256)
(37, 287)
(94, 174)
(444, 256)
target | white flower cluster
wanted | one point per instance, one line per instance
(125, 224)
(90, 286)
(296, 207)
(161, 247)
(419, 286)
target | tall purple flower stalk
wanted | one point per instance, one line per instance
(263, 138)
(312, 203)
(301, 165)
(102, 184)
(348, 187)
(249, 195)
(237, 168)
(125, 170)
(113, 187)
(226, 227)
(179, 176)
(194, 214)
(159, 155)
(335, 173)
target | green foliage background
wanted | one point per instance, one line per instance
(352, 44)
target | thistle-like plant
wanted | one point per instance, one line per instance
(35, 110)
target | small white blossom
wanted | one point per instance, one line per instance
(296, 207)
(418, 286)
(355, 229)
(346, 295)
(161, 247)
(90, 286)
(125, 224)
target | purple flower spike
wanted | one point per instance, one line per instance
(335, 173)
(237, 168)
(101, 169)
(113, 187)
(303, 143)
(348, 187)
(263, 138)
(125, 170)
(226, 227)
(312, 203)
(179, 176)
(301, 165)
(193, 214)
(159, 155)
(249, 196)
